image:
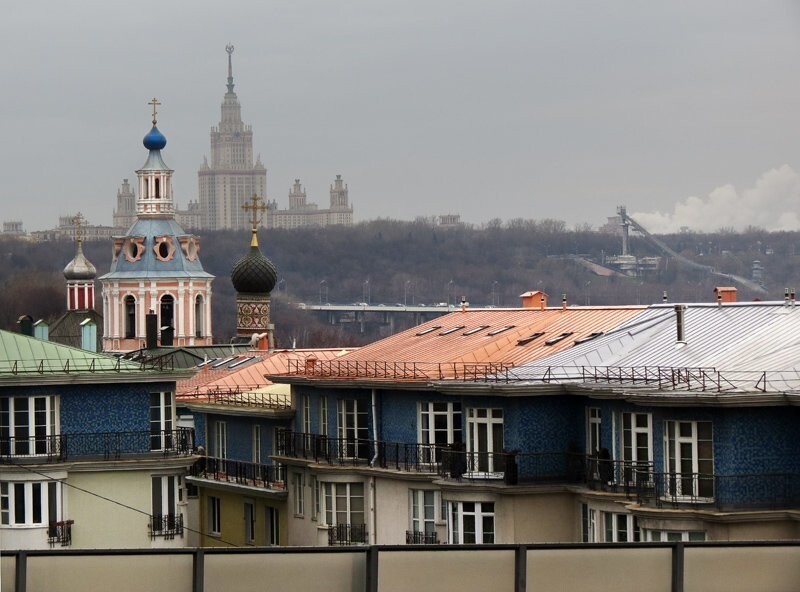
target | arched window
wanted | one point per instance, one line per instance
(198, 316)
(130, 317)
(167, 319)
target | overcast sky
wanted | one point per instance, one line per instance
(688, 112)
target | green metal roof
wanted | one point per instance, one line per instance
(21, 355)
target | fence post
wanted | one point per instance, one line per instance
(677, 567)
(520, 568)
(21, 572)
(371, 579)
(198, 570)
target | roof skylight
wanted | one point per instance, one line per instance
(475, 330)
(429, 330)
(529, 338)
(500, 330)
(452, 330)
(589, 337)
(557, 338)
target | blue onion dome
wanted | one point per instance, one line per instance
(154, 140)
(254, 273)
(80, 268)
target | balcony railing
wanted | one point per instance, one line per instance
(347, 534)
(416, 537)
(60, 533)
(236, 397)
(239, 472)
(395, 370)
(166, 526)
(97, 445)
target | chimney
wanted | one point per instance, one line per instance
(664, 298)
(791, 297)
(786, 296)
(680, 319)
(564, 301)
(464, 304)
(25, 323)
(151, 330)
(534, 299)
(726, 294)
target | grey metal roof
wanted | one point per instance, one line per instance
(742, 340)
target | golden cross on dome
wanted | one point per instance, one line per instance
(154, 103)
(256, 208)
(78, 221)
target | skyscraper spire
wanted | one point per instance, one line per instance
(229, 49)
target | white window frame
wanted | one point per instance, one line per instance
(273, 525)
(455, 524)
(220, 439)
(214, 515)
(306, 414)
(256, 444)
(298, 489)
(164, 496)
(483, 462)
(162, 419)
(249, 522)
(427, 412)
(422, 510)
(655, 536)
(323, 415)
(674, 442)
(633, 467)
(18, 497)
(352, 422)
(618, 527)
(594, 419)
(32, 439)
(333, 494)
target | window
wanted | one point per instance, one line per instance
(475, 330)
(130, 316)
(500, 330)
(422, 510)
(198, 316)
(306, 414)
(673, 535)
(529, 338)
(586, 338)
(557, 338)
(352, 428)
(214, 515)
(30, 503)
(343, 503)
(323, 416)
(689, 459)
(256, 444)
(637, 446)
(439, 426)
(589, 524)
(470, 523)
(166, 320)
(273, 526)
(27, 425)
(485, 441)
(315, 491)
(593, 418)
(298, 485)
(162, 418)
(429, 330)
(619, 528)
(164, 498)
(249, 523)
(452, 330)
(219, 440)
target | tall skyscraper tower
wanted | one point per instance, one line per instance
(231, 178)
(156, 285)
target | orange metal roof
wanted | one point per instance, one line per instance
(250, 375)
(432, 347)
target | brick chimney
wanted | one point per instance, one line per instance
(534, 299)
(725, 294)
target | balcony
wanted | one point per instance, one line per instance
(166, 526)
(347, 534)
(416, 537)
(97, 445)
(238, 472)
(60, 533)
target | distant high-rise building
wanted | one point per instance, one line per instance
(230, 178)
(304, 213)
(125, 212)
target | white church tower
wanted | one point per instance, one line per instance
(156, 292)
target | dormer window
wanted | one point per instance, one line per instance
(134, 248)
(164, 248)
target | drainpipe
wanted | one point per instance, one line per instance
(372, 483)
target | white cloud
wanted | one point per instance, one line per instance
(772, 203)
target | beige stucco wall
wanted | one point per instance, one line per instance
(448, 571)
(106, 525)
(753, 531)
(539, 518)
(232, 523)
(742, 569)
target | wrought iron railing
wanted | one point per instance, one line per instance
(417, 537)
(94, 445)
(236, 397)
(166, 526)
(60, 533)
(394, 370)
(239, 472)
(347, 534)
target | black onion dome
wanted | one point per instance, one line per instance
(254, 273)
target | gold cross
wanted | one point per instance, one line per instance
(256, 207)
(78, 221)
(154, 103)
